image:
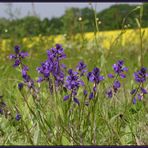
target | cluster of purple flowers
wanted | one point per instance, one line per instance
(96, 78)
(72, 83)
(81, 68)
(27, 78)
(52, 66)
(140, 77)
(119, 70)
(18, 56)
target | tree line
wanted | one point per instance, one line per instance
(74, 20)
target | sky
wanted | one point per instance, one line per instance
(48, 10)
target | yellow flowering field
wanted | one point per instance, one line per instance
(106, 38)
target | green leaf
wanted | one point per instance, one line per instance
(138, 23)
(126, 136)
(36, 135)
(65, 141)
(141, 11)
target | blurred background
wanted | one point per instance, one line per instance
(32, 19)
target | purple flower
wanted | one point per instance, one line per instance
(66, 97)
(56, 53)
(85, 92)
(139, 97)
(53, 67)
(94, 88)
(91, 96)
(40, 79)
(18, 117)
(17, 63)
(24, 71)
(119, 68)
(134, 101)
(20, 86)
(17, 49)
(144, 91)
(109, 93)
(125, 69)
(140, 76)
(81, 68)
(76, 101)
(110, 75)
(1, 111)
(133, 91)
(117, 84)
(73, 81)
(23, 54)
(30, 83)
(18, 56)
(122, 75)
(94, 76)
(12, 56)
(63, 66)
(90, 77)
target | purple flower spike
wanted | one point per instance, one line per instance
(18, 56)
(119, 69)
(140, 76)
(73, 81)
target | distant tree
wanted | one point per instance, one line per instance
(55, 26)
(70, 21)
(74, 20)
(112, 17)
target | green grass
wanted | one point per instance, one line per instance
(46, 121)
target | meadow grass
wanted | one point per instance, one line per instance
(105, 121)
(46, 119)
